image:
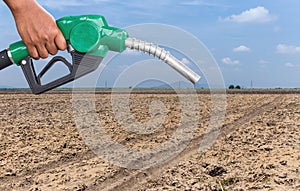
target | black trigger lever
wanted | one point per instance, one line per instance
(51, 63)
(81, 64)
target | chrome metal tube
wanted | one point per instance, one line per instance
(163, 55)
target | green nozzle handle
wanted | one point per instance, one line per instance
(91, 34)
(18, 51)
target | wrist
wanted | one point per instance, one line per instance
(17, 6)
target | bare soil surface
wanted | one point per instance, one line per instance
(258, 147)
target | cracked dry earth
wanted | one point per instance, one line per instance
(258, 147)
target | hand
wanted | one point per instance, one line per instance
(37, 28)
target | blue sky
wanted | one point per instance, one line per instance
(251, 40)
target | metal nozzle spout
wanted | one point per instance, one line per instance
(163, 55)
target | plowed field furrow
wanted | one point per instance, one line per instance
(256, 148)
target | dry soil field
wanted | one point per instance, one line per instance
(258, 147)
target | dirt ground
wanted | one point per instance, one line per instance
(258, 147)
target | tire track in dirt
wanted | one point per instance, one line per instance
(46, 167)
(133, 179)
(272, 104)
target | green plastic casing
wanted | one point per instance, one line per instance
(86, 34)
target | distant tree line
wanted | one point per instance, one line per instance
(234, 87)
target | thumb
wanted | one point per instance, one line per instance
(60, 41)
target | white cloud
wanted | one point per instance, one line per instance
(63, 4)
(288, 64)
(55, 4)
(199, 3)
(255, 15)
(131, 52)
(287, 49)
(241, 48)
(185, 61)
(263, 62)
(276, 29)
(291, 65)
(228, 61)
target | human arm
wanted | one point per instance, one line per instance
(37, 28)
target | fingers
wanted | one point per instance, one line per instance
(60, 41)
(33, 52)
(51, 47)
(40, 51)
(47, 46)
